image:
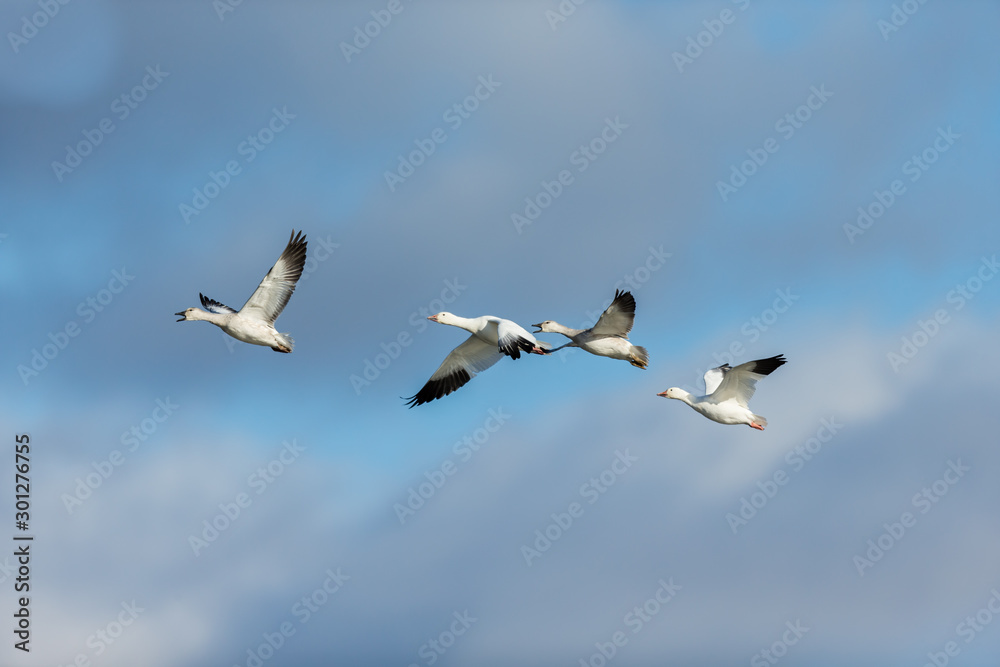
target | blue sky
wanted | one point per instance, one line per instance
(818, 108)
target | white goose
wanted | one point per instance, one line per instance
(607, 338)
(254, 322)
(492, 338)
(728, 391)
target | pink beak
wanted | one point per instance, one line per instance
(663, 394)
(433, 318)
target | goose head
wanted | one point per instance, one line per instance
(190, 314)
(548, 326)
(444, 318)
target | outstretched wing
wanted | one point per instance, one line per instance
(512, 338)
(740, 382)
(617, 319)
(270, 297)
(213, 306)
(460, 366)
(713, 378)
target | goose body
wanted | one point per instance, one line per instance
(607, 338)
(254, 322)
(728, 391)
(491, 338)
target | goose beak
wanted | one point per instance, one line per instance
(537, 326)
(183, 316)
(663, 394)
(433, 318)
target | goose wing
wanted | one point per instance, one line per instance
(713, 377)
(512, 338)
(461, 365)
(740, 382)
(270, 297)
(617, 319)
(213, 306)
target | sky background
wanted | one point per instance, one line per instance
(382, 252)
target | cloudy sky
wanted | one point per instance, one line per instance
(817, 180)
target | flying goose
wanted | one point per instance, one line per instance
(254, 322)
(492, 338)
(728, 390)
(607, 338)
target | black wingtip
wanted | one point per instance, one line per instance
(769, 365)
(440, 388)
(515, 346)
(295, 254)
(623, 294)
(625, 300)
